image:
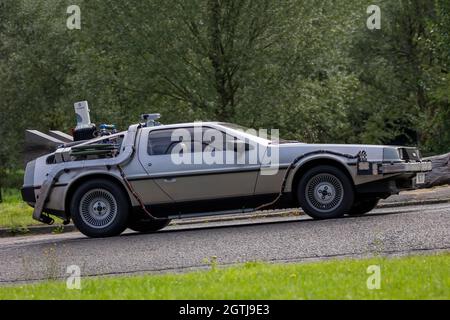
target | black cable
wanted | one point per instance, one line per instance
(136, 195)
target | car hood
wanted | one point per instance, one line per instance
(374, 152)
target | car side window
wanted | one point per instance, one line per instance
(213, 140)
(161, 142)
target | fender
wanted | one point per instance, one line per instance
(349, 166)
(112, 174)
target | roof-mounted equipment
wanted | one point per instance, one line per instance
(150, 119)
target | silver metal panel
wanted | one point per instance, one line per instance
(150, 192)
(204, 187)
(267, 184)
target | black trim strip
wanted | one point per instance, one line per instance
(178, 175)
(60, 185)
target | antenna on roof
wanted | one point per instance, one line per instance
(150, 119)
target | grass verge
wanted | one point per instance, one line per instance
(419, 277)
(14, 213)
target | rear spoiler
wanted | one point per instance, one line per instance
(38, 143)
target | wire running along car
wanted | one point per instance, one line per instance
(129, 179)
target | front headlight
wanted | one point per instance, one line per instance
(409, 154)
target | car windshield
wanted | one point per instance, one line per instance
(243, 129)
(253, 132)
(234, 126)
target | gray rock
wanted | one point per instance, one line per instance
(440, 175)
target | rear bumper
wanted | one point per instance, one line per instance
(28, 194)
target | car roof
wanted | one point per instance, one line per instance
(186, 124)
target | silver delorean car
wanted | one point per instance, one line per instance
(151, 173)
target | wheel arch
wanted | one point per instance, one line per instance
(314, 162)
(87, 177)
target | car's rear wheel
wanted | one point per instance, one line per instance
(99, 208)
(362, 206)
(148, 225)
(325, 192)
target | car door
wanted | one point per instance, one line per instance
(198, 184)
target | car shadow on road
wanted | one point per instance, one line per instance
(240, 224)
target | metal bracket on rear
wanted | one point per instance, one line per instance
(43, 196)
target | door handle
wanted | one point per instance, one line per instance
(170, 180)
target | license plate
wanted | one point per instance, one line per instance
(420, 178)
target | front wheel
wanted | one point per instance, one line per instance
(99, 208)
(325, 192)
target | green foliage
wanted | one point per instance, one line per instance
(309, 68)
(35, 61)
(420, 277)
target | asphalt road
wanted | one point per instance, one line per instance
(403, 230)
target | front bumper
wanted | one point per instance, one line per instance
(406, 167)
(365, 168)
(393, 177)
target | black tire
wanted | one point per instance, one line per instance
(325, 192)
(148, 225)
(362, 206)
(100, 208)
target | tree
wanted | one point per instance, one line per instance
(36, 59)
(395, 71)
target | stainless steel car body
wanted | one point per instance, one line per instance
(179, 190)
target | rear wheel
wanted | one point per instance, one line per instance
(325, 192)
(99, 208)
(148, 225)
(363, 206)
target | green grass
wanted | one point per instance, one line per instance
(14, 213)
(420, 277)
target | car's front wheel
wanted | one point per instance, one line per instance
(325, 192)
(99, 208)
